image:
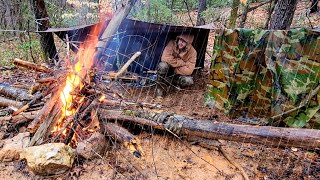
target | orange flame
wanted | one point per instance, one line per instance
(77, 74)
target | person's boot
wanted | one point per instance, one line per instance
(159, 93)
(185, 81)
(162, 71)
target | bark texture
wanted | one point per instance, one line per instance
(283, 14)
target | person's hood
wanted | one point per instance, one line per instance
(188, 38)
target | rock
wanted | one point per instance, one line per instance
(12, 147)
(46, 159)
(92, 147)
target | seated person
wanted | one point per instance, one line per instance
(178, 61)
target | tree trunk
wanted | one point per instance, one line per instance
(283, 14)
(234, 13)
(46, 39)
(202, 7)
(314, 6)
(245, 14)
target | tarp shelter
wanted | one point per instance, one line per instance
(267, 74)
(133, 36)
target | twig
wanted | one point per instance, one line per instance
(226, 155)
(212, 144)
(34, 100)
(187, 6)
(257, 6)
(310, 23)
(30, 47)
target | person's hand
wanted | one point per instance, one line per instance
(175, 54)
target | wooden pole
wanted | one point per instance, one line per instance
(121, 13)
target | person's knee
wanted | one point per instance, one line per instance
(186, 81)
(163, 68)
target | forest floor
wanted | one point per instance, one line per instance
(168, 157)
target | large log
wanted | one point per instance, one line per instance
(123, 136)
(21, 118)
(18, 94)
(265, 135)
(4, 102)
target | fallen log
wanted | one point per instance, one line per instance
(109, 102)
(18, 94)
(4, 102)
(33, 101)
(30, 65)
(123, 136)
(265, 135)
(21, 118)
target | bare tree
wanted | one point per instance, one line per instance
(245, 14)
(314, 6)
(234, 13)
(46, 39)
(201, 7)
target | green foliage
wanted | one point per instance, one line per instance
(155, 11)
(215, 9)
(21, 50)
(6, 58)
(302, 118)
(73, 13)
(31, 49)
(180, 5)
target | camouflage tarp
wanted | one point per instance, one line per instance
(267, 74)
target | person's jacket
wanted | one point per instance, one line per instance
(184, 61)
